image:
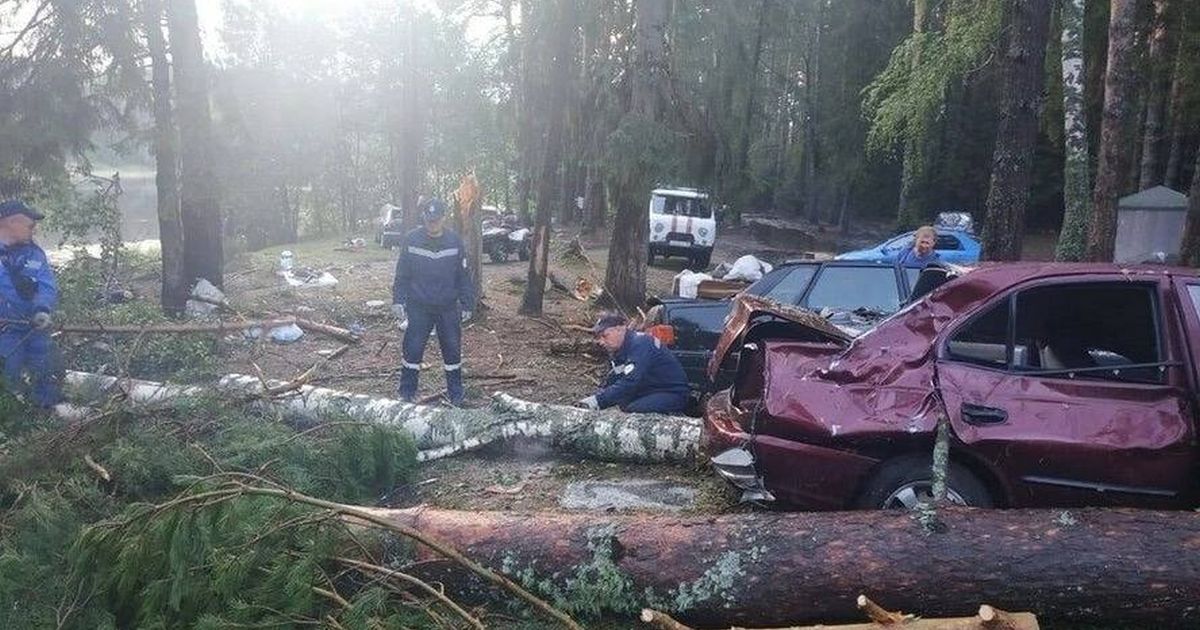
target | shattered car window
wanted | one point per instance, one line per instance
(850, 288)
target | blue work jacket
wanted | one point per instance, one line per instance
(641, 367)
(432, 272)
(27, 284)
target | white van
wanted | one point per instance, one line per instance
(682, 223)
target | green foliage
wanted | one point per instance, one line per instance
(202, 568)
(905, 100)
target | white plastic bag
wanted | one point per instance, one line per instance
(748, 268)
(689, 283)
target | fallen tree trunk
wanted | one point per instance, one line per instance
(438, 431)
(220, 327)
(772, 569)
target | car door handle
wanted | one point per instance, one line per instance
(980, 416)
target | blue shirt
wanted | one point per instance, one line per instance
(432, 272)
(641, 367)
(27, 284)
(910, 260)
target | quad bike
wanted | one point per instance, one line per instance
(503, 238)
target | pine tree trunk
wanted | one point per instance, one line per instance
(411, 122)
(1120, 80)
(175, 285)
(1016, 135)
(625, 277)
(1189, 252)
(812, 196)
(1160, 58)
(199, 207)
(1077, 184)
(594, 202)
(1115, 568)
(549, 186)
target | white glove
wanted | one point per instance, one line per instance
(589, 403)
(398, 311)
(466, 315)
(41, 320)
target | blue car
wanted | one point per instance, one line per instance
(953, 246)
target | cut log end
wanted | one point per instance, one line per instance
(662, 621)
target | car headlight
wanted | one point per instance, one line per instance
(659, 227)
(703, 232)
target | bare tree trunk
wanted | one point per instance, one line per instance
(175, 284)
(1173, 174)
(1119, 91)
(1016, 135)
(411, 121)
(1077, 184)
(812, 71)
(594, 202)
(912, 168)
(1189, 252)
(625, 277)
(199, 208)
(775, 569)
(562, 27)
(1160, 58)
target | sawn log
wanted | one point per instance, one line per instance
(1119, 567)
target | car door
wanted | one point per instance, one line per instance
(1073, 394)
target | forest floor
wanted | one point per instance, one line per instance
(539, 359)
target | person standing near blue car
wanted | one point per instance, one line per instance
(28, 296)
(432, 291)
(922, 253)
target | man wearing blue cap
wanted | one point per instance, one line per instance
(645, 376)
(28, 294)
(432, 291)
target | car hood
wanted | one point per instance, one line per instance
(746, 308)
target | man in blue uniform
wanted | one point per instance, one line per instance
(645, 377)
(28, 295)
(433, 291)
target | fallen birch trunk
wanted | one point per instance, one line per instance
(438, 431)
(219, 327)
(1118, 567)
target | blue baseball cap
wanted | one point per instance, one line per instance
(16, 206)
(433, 209)
(608, 320)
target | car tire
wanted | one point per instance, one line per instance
(903, 481)
(700, 261)
(649, 256)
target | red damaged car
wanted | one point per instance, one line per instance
(1064, 385)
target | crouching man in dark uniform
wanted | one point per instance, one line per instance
(432, 291)
(645, 377)
(28, 295)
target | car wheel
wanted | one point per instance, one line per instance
(905, 482)
(649, 256)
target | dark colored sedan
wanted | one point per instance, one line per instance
(856, 293)
(1063, 385)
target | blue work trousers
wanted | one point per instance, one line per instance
(421, 321)
(31, 353)
(657, 402)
